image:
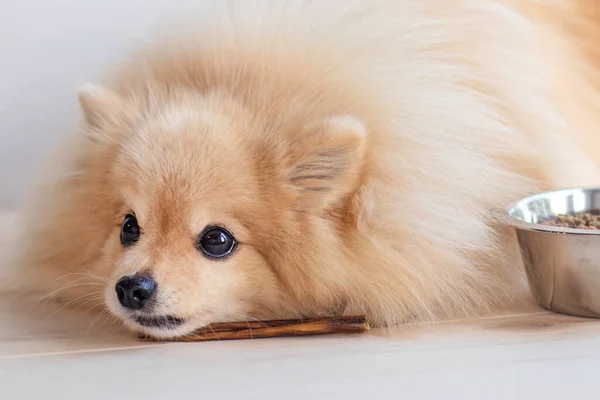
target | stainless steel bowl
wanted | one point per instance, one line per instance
(562, 264)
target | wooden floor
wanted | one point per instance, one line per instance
(47, 353)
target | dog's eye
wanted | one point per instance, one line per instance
(216, 242)
(130, 230)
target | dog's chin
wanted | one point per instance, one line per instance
(155, 326)
(159, 327)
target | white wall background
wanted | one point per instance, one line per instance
(47, 49)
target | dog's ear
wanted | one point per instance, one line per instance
(329, 162)
(100, 105)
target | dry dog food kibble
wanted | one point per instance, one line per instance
(577, 221)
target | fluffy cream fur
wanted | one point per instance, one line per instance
(361, 152)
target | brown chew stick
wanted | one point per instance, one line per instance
(275, 328)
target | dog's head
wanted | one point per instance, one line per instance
(223, 215)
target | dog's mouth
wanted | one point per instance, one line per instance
(162, 322)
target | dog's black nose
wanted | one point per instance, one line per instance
(134, 292)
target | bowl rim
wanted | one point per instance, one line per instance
(529, 226)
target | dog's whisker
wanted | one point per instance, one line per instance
(53, 292)
(250, 329)
(99, 298)
(107, 317)
(66, 286)
(213, 331)
(77, 299)
(100, 314)
(114, 319)
(91, 308)
(257, 320)
(83, 274)
(71, 287)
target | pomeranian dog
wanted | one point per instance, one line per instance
(304, 159)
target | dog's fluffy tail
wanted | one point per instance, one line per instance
(584, 29)
(576, 24)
